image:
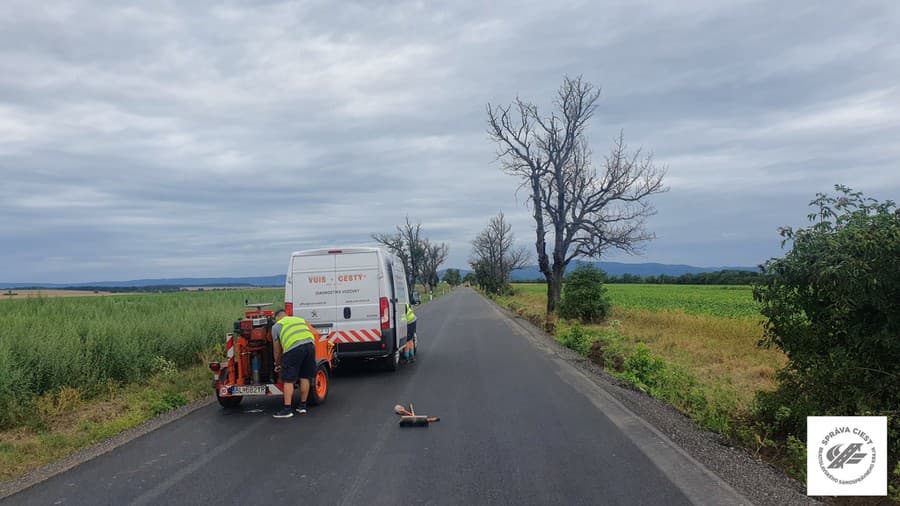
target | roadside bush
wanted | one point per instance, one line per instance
(609, 350)
(584, 297)
(642, 369)
(832, 304)
(165, 402)
(577, 338)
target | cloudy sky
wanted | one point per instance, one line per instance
(184, 139)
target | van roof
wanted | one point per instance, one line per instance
(326, 251)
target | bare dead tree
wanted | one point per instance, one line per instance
(584, 211)
(495, 255)
(407, 243)
(434, 255)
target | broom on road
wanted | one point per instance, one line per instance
(408, 417)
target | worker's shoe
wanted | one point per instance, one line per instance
(284, 412)
(301, 409)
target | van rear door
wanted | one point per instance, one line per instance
(400, 298)
(313, 287)
(357, 294)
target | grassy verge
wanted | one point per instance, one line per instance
(68, 422)
(440, 290)
(720, 352)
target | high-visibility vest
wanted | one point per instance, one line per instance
(410, 316)
(294, 330)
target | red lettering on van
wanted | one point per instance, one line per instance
(317, 279)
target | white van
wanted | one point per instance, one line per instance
(355, 296)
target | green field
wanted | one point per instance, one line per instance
(721, 301)
(88, 343)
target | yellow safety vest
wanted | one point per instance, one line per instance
(410, 316)
(294, 331)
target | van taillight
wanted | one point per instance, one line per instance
(289, 308)
(385, 314)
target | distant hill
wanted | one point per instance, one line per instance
(618, 268)
(277, 280)
(525, 274)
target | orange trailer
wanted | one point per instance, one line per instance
(249, 369)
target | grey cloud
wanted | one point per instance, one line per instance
(178, 139)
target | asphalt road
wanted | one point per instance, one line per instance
(518, 426)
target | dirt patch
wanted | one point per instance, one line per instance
(600, 355)
(94, 412)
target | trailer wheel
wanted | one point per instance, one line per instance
(318, 391)
(227, 402)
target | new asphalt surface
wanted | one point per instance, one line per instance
(518, 426)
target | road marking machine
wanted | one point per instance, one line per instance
(249, 369)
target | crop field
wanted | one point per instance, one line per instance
(721, 301)
(88, 343)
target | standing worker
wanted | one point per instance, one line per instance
(295, 358)
(409, 351)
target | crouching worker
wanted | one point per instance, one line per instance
(409, 351)
(295, 358)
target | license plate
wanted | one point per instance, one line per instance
(249, 390)
(323, 330)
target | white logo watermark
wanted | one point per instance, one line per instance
(846, 455)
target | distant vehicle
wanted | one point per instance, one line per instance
(415, 299)
(355, 296)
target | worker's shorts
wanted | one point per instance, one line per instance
(299, 362)
(411, 329)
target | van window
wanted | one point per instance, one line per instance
(400, 282)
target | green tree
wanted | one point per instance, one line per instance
(584, 296)
(452, 277)
(832, 304)
(469, 278)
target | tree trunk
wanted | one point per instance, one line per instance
(540, 243)
(552, 295)
(554, 288)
